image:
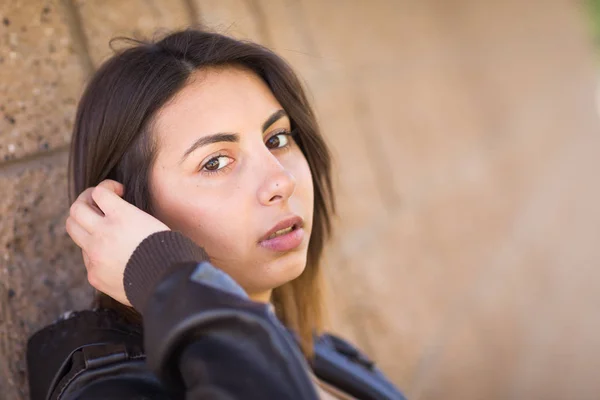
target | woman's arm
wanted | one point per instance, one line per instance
(202, 333)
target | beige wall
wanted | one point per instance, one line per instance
(465, 135)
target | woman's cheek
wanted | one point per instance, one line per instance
(212, 231)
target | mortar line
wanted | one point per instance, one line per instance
(11, 166)
(78, 37)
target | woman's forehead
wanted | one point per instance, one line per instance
(218, 99)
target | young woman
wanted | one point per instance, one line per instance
(203, 204)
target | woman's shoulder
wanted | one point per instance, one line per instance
(340, 363)
(107, 335)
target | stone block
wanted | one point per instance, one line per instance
(238, 18)
(364, 35)
(40, 78)
(464, 287)
(361, 198)
(285, 29)
(103, 20)
(525, 325)
(41, 271)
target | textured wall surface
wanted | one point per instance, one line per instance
(465, 135)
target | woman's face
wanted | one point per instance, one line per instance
(227, 174)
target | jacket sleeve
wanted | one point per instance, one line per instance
(203, 337)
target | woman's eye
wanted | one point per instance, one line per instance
(279, 140)
(216, 163)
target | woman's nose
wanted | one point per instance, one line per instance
(279, 185)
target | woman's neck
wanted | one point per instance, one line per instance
(261, 297)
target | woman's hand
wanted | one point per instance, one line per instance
(108, 229)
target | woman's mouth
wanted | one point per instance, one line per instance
(281, 232)
(285, 236)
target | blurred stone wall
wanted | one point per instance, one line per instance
(466, 138)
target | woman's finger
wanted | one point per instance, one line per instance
(80, 236)
(107, 199)
(86, 197)
(113, 186)
(85, 215)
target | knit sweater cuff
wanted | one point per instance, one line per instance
(154, 257)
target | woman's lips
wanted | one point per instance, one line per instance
(286, 242)
(274, 240)
(293, 221)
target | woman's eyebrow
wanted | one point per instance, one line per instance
(273, 118)
(206, 140)
(229, 137)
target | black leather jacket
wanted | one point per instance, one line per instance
(200, 340)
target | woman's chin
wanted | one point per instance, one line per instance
(288, 268)
(278, 273)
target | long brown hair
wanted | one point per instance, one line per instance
(112, 139)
